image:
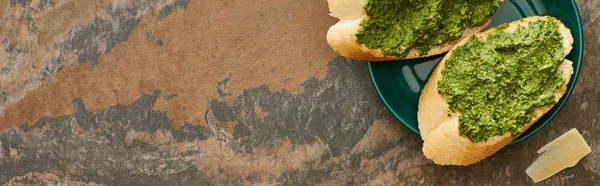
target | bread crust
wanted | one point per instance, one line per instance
(342, 36)
(442, 142)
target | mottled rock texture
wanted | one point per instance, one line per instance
(177, 92)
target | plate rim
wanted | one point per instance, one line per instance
(551, 116)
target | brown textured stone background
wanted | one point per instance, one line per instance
(179, 92)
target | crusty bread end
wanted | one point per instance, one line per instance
(342, 36)
(442, 142)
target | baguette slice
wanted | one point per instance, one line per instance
(342, 36)
(442, 142)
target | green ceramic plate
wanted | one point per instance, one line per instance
(399, 83)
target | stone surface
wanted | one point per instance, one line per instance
(144, 92)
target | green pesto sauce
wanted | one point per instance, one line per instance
(396, 26)
(497, 83)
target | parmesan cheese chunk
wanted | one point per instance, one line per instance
(563, 152)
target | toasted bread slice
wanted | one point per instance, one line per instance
(440, 133)
(342, 36)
